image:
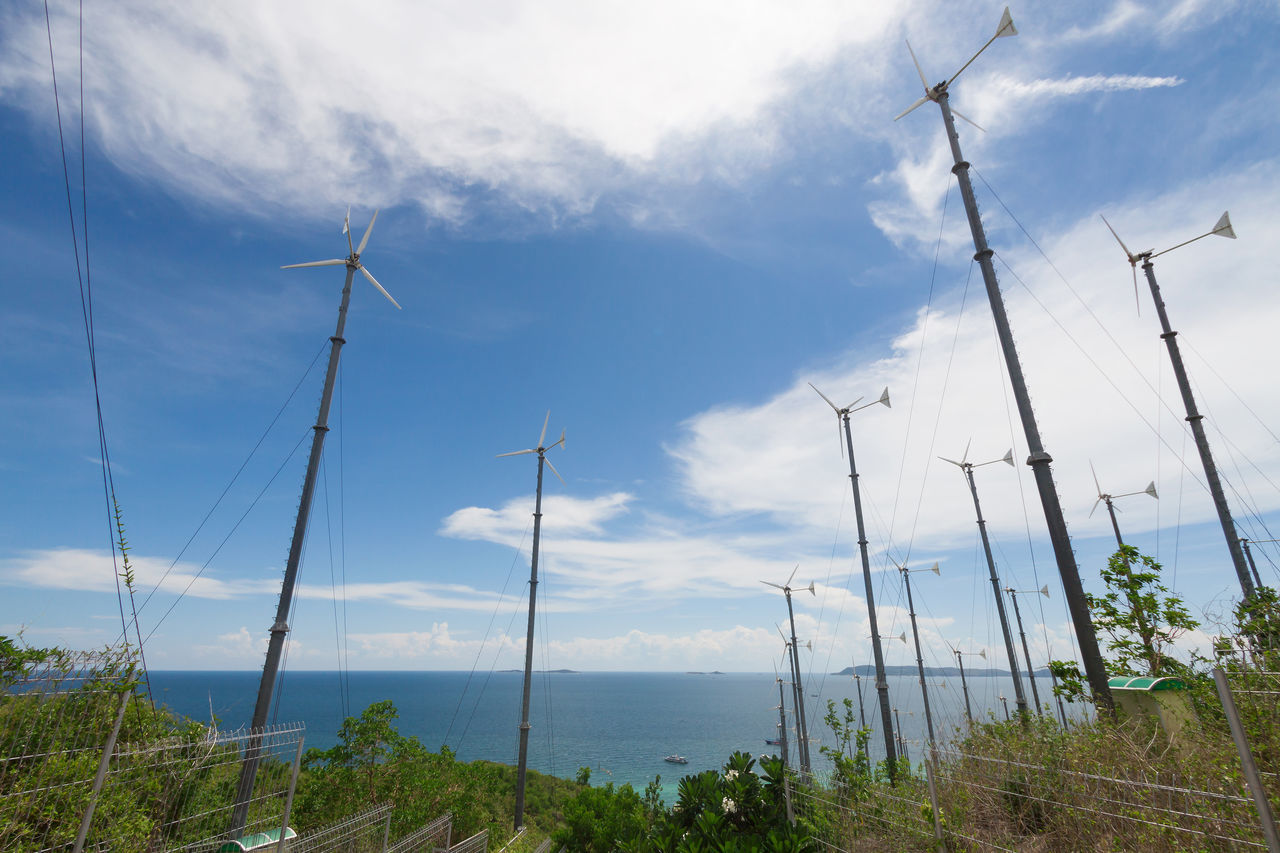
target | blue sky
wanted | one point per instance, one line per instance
(659, 222)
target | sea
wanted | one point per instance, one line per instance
(622, 725)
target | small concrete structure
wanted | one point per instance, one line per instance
(1161, 698)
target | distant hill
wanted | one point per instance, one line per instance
(869, 671)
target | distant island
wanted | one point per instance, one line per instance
(546, 671)
(869, 671)
(716, 672)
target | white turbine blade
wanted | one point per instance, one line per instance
(381, 289)
(1044, 590)
(346, 229)
(545, 421)
(839, 436)
(1006, 27)
(913, 108)
(833, 406)
(1127, 253)
(1096, 485)
(514, 453)
(1151, 490)
(1223, 228)
(554, 471)
(967, 444)
(1008, 458)
(333, 263)
(854, 403)
(923, 82)
(364, 241)
(952, 461)
(959, 114)
(793, 574)
(1137, 301)
(772, 584)
(1095, 507)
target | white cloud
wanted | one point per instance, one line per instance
(1006, 87)
(88, 570)
(1092, 392)
(549, 106)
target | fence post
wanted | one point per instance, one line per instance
(933, 802)
(288, 798)
(1246, 761)
(386, 833)
(786, 795)
(103, 766)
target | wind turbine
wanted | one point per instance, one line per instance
(522, 767)
(802, 748)
(882, 682)
(967, 467)
(275, 646)
(1223, 229)
(915, 633)
(1109, 500)
(1038, 458)
(1026, 652)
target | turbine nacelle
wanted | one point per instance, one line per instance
(965, 465)
(1222, 228)
(843, 413)
(935, 92)
(352, 260)
(540, 449)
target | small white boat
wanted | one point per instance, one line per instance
(676, 759)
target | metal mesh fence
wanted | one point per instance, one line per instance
(478, 843)
(365, 832)
(87, 763)
(56, 715)
(427, 839)
(191, 784)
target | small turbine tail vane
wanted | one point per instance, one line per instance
(1151, 490)
(1223, 228)
(1006, 27)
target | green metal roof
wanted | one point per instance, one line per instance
(1145, 683)
(257, 841)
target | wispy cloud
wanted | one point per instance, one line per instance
(1068, 86)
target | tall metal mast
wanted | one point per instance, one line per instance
(523, 762)
(1026, 652)
(1194, 418)
(915, 633)
(964, 684)
(967, 467)
(1038, 458)
(280, 628)
(882, 682)
(797, 683)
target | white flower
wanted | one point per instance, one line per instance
(728, 805)
(730, 775)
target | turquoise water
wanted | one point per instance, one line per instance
(619, 724)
